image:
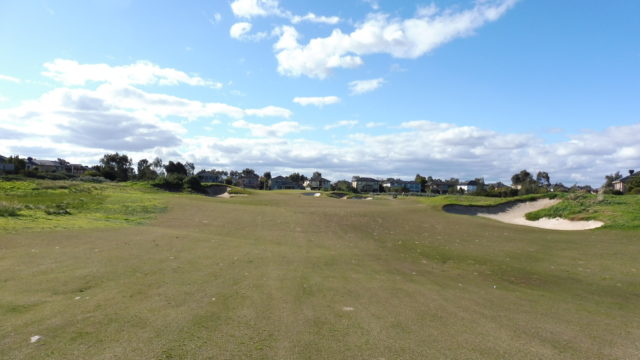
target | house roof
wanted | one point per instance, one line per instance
(628, 178)
(45, 162)
(368, 179)
(3, 158)
(469, 183)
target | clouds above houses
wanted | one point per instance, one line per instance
(70, 72)
(382, 33)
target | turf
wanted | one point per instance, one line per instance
(286, 276)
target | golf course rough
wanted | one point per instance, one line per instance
(277, 275)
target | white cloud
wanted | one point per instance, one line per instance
(255, 8)
(342, 123)
(10, 78)
(380, 34)
(311, 17)
(373, 124)
(217, 17)
(70, 72)
(258, 8)
(273, 111)
(238, 30)
(373, 3)
(358, 87)
(316, 100)
(276, 130)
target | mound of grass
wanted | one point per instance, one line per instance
(234, 190)
(617, 212)
(440, 201)
(47, 204)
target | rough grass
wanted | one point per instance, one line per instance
(617, 212)
(284, 276)
(46, 204)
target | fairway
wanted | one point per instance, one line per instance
(279, 275)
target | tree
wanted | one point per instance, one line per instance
(175, 168)
(19, 165)
(297, 178)
(248, 172)
(542, 178)
(267, 178)
(145, 170)
(157, 166)
(609, 179)
(521, 178)
(422, 181)
(190, 168)
(116, 167)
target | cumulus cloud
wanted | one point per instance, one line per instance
(271, 110)
(343, 123)
(241, 31)
(381, 34)
(275, 130)
(358, 87)
(259, 8)
(70, 72)
(373, 124)
(319, 101)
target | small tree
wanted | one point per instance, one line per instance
(267, 178)
(116, 167)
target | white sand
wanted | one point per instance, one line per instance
(515, 214)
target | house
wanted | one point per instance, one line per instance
(365, 184)
(4, 165)
(468, 186)
(622, 184)
(317, 183)
(283, 183)
(248, 181)
(76, 169)
(438, 187)
(394, 184)
(209, 177)
(44, 165)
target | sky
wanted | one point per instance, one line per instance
(444, 88)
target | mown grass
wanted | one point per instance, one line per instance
(46, 204)
(617, 212)
(277, 275)
(440, 201)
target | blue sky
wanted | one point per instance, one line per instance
(379, 88)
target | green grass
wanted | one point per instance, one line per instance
(440, 201)
(277, 275)
(617, 212)
(46, 204)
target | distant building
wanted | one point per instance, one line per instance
(410, 186)
(438, 187)
(50, 166)
(621, 185)
(365, 184)
(209, 177)
(4, 165)
(317, 183)
(468, 186)
(283, 183)
(251, 181)
(76, 169)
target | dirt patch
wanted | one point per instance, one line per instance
(514, 213)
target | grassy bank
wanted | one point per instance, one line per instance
(46, 204)
(617, 212)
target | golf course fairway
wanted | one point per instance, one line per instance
(278, 275)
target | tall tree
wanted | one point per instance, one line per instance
(145, 170)
(542, 178)
(190, 168)
(116, 167)
(267, 178)
(609, 179)
(175, 168)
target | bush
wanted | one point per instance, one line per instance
(193, 183)
(91, 179)
(172, 182)
(91, 173)
(635, 191)
(9, 209)
(617, 192)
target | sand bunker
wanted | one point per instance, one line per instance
(514, 213)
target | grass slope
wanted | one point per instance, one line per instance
(47, 204)
(278, 275)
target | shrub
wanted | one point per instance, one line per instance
(172, 182)
(193, 183)
(91, 173)
(635, 191)
(9, 209)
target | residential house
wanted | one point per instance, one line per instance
(365, 184)
(621, 185)
(469, 186)
(317, 183)
(394, 184)
(44, 165)
(283, 183)
(248, 181)
(438, 187)
(4, 165)
(76, 169)
(209, 177)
